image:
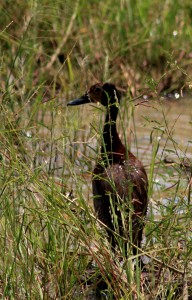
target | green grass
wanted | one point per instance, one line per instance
(51, 245)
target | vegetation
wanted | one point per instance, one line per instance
(51, 245)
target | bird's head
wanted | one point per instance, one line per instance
(107, 94)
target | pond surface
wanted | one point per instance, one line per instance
(168, 126)
(171, 120)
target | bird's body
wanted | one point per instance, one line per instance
(118, 190)
(119, 179)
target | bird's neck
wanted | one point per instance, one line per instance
(112, 147)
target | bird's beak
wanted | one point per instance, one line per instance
(84, 99)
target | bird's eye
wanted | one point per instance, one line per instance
(97, 89)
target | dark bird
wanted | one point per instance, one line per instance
(119, 179)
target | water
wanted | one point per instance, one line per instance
(175, 137)
(170, 122)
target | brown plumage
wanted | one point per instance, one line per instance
(119, 178)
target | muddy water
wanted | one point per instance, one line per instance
(170, 121)
(167, 125)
